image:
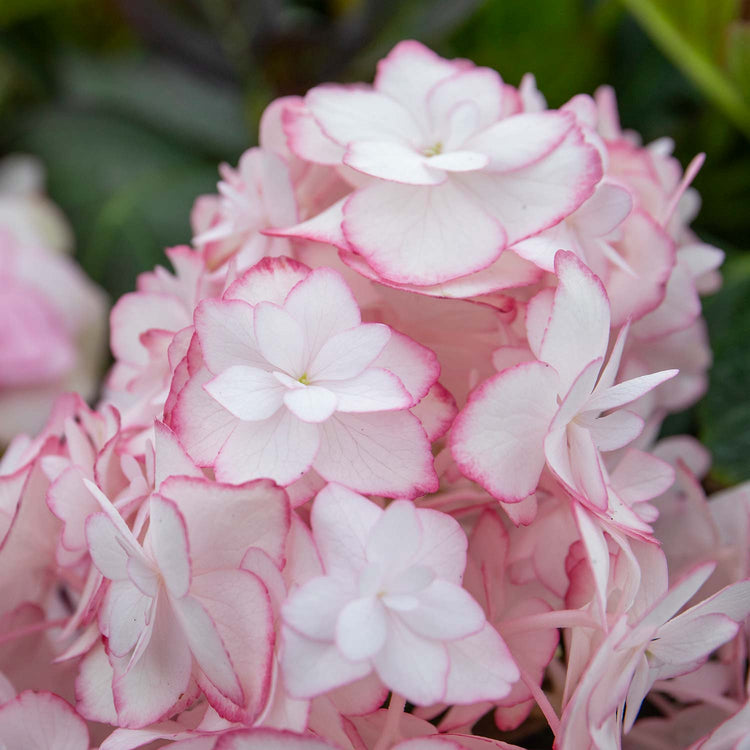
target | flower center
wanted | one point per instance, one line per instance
(434, 150)
(303, 379)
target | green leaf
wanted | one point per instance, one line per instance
(738, 54)
(127, 191)
(724, 413)
(694, 34)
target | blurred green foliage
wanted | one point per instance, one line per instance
(132, 103)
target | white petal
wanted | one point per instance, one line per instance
(361, 628)
(247, 392)
(498, 438)
(281, 339)
(445, 612)
(415, 667)
(392, 161)
(373, 390)
(348, 353)
(311, 403)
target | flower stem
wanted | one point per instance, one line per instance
(390, 731)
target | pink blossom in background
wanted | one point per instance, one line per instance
(377, 465)
(52, 318)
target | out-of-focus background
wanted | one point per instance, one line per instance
(131, 105)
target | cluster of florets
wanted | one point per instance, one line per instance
(387, 435)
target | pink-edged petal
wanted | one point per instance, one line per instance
(481, 668)
(269, 280)
(498, 438)
(640, 476)
(578, 328)
(223, 521)
(281, 448)
(171, 458)
(311, 403)
(414, 667)
(280, 338)
(206, 646)
(313, 609)
(409, 72)
(305, 137)
(341, 522)
(41, 721)
(538, 313)
(240, 610)
(138, 312)
(382, 453)
(110, 559)
(445, 612)
(94, 698)
(585, 466)
(393, 161)
(682, 644)
(248, 393)
(482, 88)
(323, 305)
(123, 616)
(361, 628)
(605, 210)
(416, 366)
(145, 690)
(348, 353)
(311, 668)
(421, 235)
(373, 390)
(679, 593)
(169, 543)
(533, 198)
(324, 227)
(269, 739)
(597, 552)
(616, 430)
(630, 390)
(521, 140)
(348, 115)
(227, 335)
(202, 424)
(436, 411)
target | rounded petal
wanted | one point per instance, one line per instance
(281, 448)
(415, 667)
(382, 453)
(498, 438)
(248, 393)
(311, 403)
(445, 612)
(421, 235)
(341, 522)
(41, 721)
(348, 353)
(311, 668)
(361, 628)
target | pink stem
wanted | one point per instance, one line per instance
(564, 618)
(35, 628)
(390, 732)
(542, 701)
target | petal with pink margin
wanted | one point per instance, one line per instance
(42, 721)
(498, 438)
(422, 234)
(383, 453)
